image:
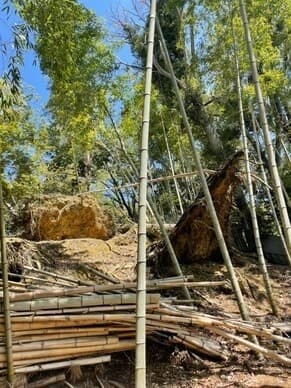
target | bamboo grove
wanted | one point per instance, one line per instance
(206, 79)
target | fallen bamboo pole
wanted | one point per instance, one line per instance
(242, 326)
(203, 345)
(38, 280)
(47, 381)
(151, 284)
(57, 276)
(257, 348)
(65, 364)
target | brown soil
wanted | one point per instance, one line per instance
(66, 217)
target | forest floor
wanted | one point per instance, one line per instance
(170, 366)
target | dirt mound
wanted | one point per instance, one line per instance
(67, 217)
(77, 258)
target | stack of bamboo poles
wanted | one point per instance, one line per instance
(51, 329)
(61, 327)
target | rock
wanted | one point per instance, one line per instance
(61, 217)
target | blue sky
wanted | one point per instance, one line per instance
(32, 77)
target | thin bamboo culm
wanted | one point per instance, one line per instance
(267, 189)
(256, 231)
(277, 186)
(140, 360)
(236, 288)
(6, 301)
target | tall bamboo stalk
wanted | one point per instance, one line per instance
(153, 210)
(140, 361)
(172, 166)
(256, 231)
(285, 150)
(264, 176)
(265, 126)
(218, 232)
(6, 301)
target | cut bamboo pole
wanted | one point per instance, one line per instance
(80, 301)
(64, 364)
(84, 310)
(68, 352)
(62, 344)
(151, 284)
(59, 335)
(6, 301)
(55, 331)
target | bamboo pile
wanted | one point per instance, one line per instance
(58, 327)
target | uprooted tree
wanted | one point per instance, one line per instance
(193, 236)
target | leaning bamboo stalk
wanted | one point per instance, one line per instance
(48, 381)
(171, 165)
(277, 186)
(267, 188)
(255, 224)
(6, 301)
(285, 150)
(65, 364)
(210, 205)
(155, 180)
